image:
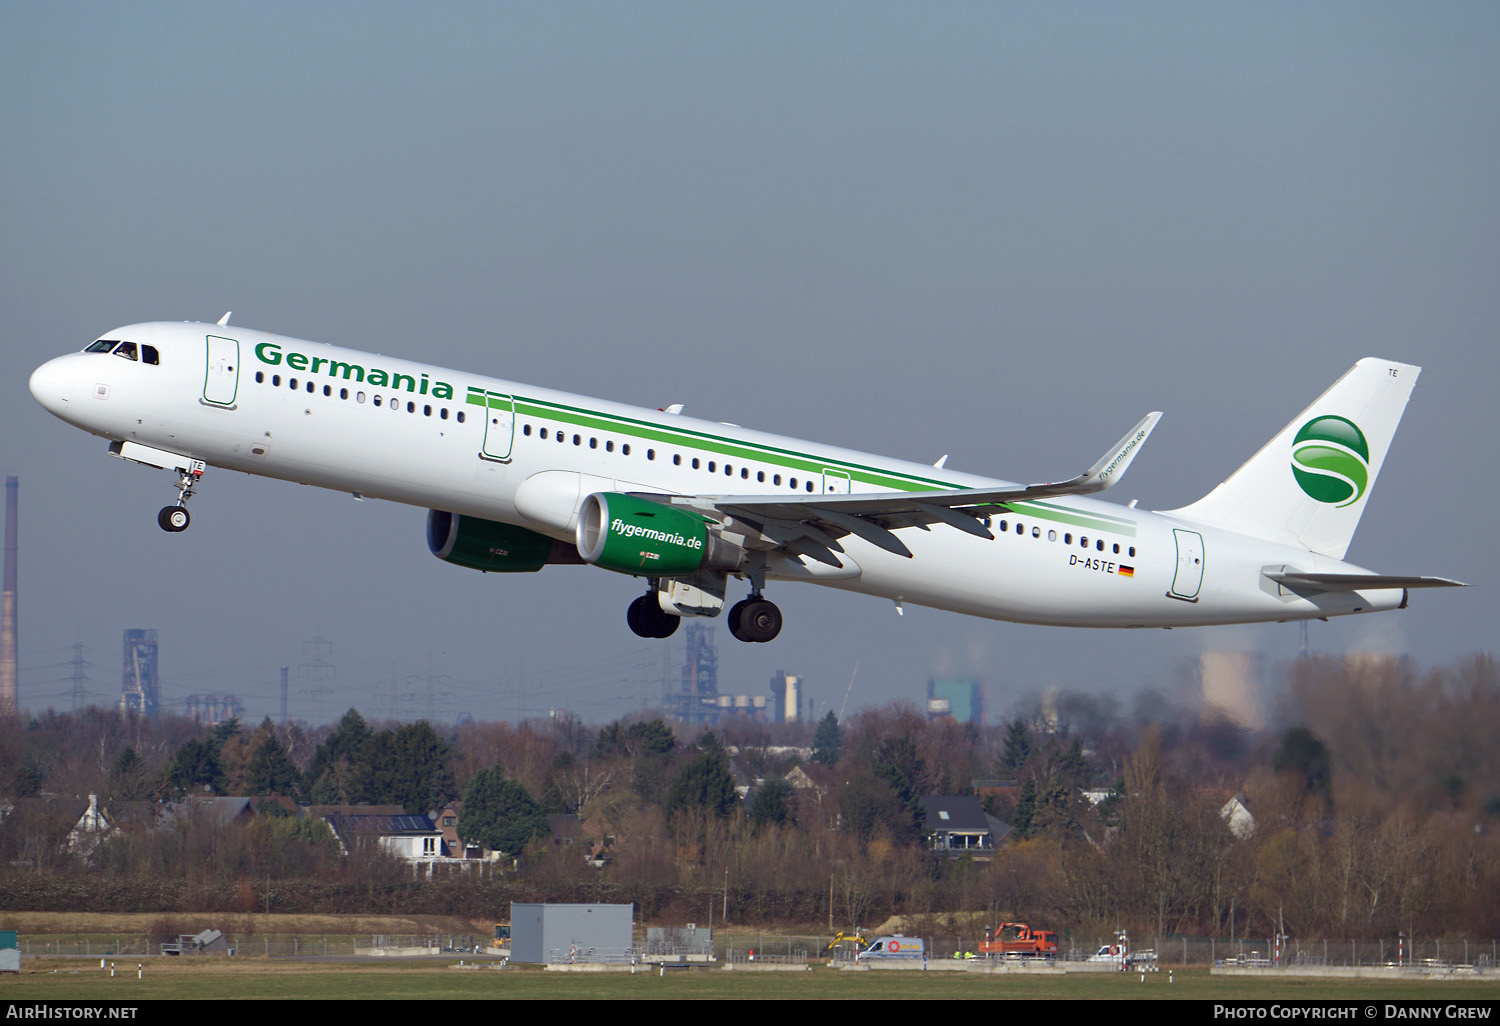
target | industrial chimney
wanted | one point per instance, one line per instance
(9, 701)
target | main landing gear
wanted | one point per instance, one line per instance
(173, 519)
(754, 619)
(647, 619)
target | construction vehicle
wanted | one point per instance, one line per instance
(856, 938)
(1018, 940)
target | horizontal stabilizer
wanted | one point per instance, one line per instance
(1357, 582)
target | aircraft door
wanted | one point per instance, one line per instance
(1189, 578)
(499, 427)
(221, 379)
(835, 482)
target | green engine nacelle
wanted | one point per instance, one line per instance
(491, 546)
(648, 539)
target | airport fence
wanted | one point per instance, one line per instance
(1178, 950)
(1175, 950)
(265, 945)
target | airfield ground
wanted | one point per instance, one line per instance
(205, 977)
(253, 976)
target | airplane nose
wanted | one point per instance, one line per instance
(51, 385)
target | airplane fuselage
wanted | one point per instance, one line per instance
(501, 451)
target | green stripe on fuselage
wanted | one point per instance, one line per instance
(1063, 515)
(705, 442)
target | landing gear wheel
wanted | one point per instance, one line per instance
(173, 519)
(646, 618)
(758, 620)
(734, 620)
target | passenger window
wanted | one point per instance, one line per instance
(343, 393)
(1067, 539)
(1052, 536)
(760, 475)
(310, 387)
(1083, 540)
(460, 416)
(577, 439)
(776, 479)
(695, 463)
(276, 380)
(327, 390)
(260, 376)
(809, 486)
(793, 483)
(291, 383)
(359, 397)
(593, 443)
(377, 400)
(443, 413)
(712, 466)
(609, 445)
(625, 449)
(1117, 548)
(542, 434)
(1132, 552)
(677, 459)
(650, 454)
(427, 411)
(1036, 532)
(411, 407)
(1099, 544)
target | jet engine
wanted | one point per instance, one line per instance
(492, 546)
(637, 536)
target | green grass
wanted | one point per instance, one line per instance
(245, 978)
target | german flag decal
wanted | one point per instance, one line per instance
(1127, 571)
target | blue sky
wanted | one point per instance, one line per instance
(1001, 231)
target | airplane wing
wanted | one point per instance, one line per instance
(812, 526)
(1356, 582)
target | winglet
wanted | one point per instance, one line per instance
(223, 321)
(1110, 468)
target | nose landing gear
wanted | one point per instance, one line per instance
(173, 519)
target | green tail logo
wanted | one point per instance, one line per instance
(1331, 460)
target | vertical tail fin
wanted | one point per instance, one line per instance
(1308, 486)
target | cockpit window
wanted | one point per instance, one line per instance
(104, 345)
(126, 351)
(149, 355)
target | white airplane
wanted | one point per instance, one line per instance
(517, 477)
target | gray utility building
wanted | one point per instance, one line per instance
(571, 933)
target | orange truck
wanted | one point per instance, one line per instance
(1017, 940)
